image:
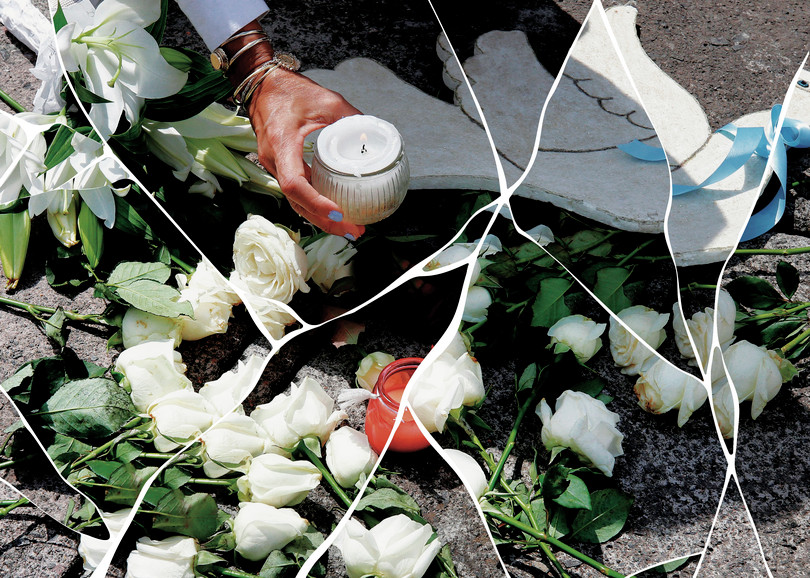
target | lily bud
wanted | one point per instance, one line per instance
(15, 231)
(92, 235)
(62, 215)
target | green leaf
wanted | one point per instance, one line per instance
(86, 95)
(126, 483)
(558, 525)
(787, 277)
(103, 468)
(155, 298)
(88, 408)
(65, 450)
(60, 148)
(59, 19)
(609, 287)
(555, 481)
(527, 378)
(175, 477)
(55, 327)
(670, 566)
(409, 238)
(126, 451)
(194, 515)
(605, 519)
(389, 501)
(278, 564)
(575, 496)
(129, 221)
(549, 306)
(754, 293)
(780, 331)
(592, 387)
(91, 233)
(158, 27)
(207, 558)
(127, 272)
(588, 238)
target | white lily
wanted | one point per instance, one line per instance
(90, 171)
(118, 59)
(22, 153)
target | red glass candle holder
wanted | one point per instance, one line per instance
(382, 410)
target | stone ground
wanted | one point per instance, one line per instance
(735, 58)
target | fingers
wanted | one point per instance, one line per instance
(343, 229)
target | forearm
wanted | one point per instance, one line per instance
(216, 21)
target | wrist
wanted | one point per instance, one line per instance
(243, 52)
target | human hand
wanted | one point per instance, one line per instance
(284, 109)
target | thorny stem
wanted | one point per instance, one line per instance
(103, 448)
(21, 502)
(510, 442)
(779, 313)
(554, 562)
(544, 537)
(83, 525)
(233, 573)
(347, 501)
(12, 463)
(633, 253)
(37, 310)
(182, 264)
(693, 286)
(796, 341)
(793, 251)
(5, 97)
(210, 482)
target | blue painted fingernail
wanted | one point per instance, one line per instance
(336, 216)
(350, 237)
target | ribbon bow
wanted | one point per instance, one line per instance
(745, 142)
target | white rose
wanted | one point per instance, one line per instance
(169, 558)
(583, 424)
(541, 234)
(349, 456)
(628, 352)
(397, 547)
(152, 369)
(231, 443)
(139, 326)
(663, 387)
(469, 471)
(260, 529)
(327, 260)
(268, 261)
(227, 392)
(278, 481)
(306, 411)
(370, 368)
(272, 316)
(453, 254)
(92, 550)
(580, 334)
(445, 384)
(476, 305)
(724, 407)
(180, 417)
(754, 371)
(701, 327)
(211, 298)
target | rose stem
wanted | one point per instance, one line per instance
(103, 448)
(633, 253)
(781, 313)
(7, 509)
(210, 482)
(233, 573)
(11, 463)
(693, 286)
(793, 251)
(796, 341)
(35, 310)
(347, 501)
(5, 97)
(542, 536)
(510, 442)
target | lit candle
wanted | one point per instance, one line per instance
(360, 164)
(382, 410)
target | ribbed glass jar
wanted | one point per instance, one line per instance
(382, 411)
(364, 198)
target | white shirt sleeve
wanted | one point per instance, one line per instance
(216, 20)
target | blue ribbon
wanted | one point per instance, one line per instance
(746, 142)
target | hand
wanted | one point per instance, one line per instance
(284, 109)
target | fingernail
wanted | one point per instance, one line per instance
(336, 216)
(350, 237)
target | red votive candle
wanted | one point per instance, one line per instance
(382, 410)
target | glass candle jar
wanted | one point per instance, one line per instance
(382, 410)
(360, 164)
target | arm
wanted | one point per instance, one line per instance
(285, 108)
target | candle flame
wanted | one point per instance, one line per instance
(364, 137)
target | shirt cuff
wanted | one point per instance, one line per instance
(216, 20)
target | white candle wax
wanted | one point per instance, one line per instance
(360, 164)
(359, 145)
